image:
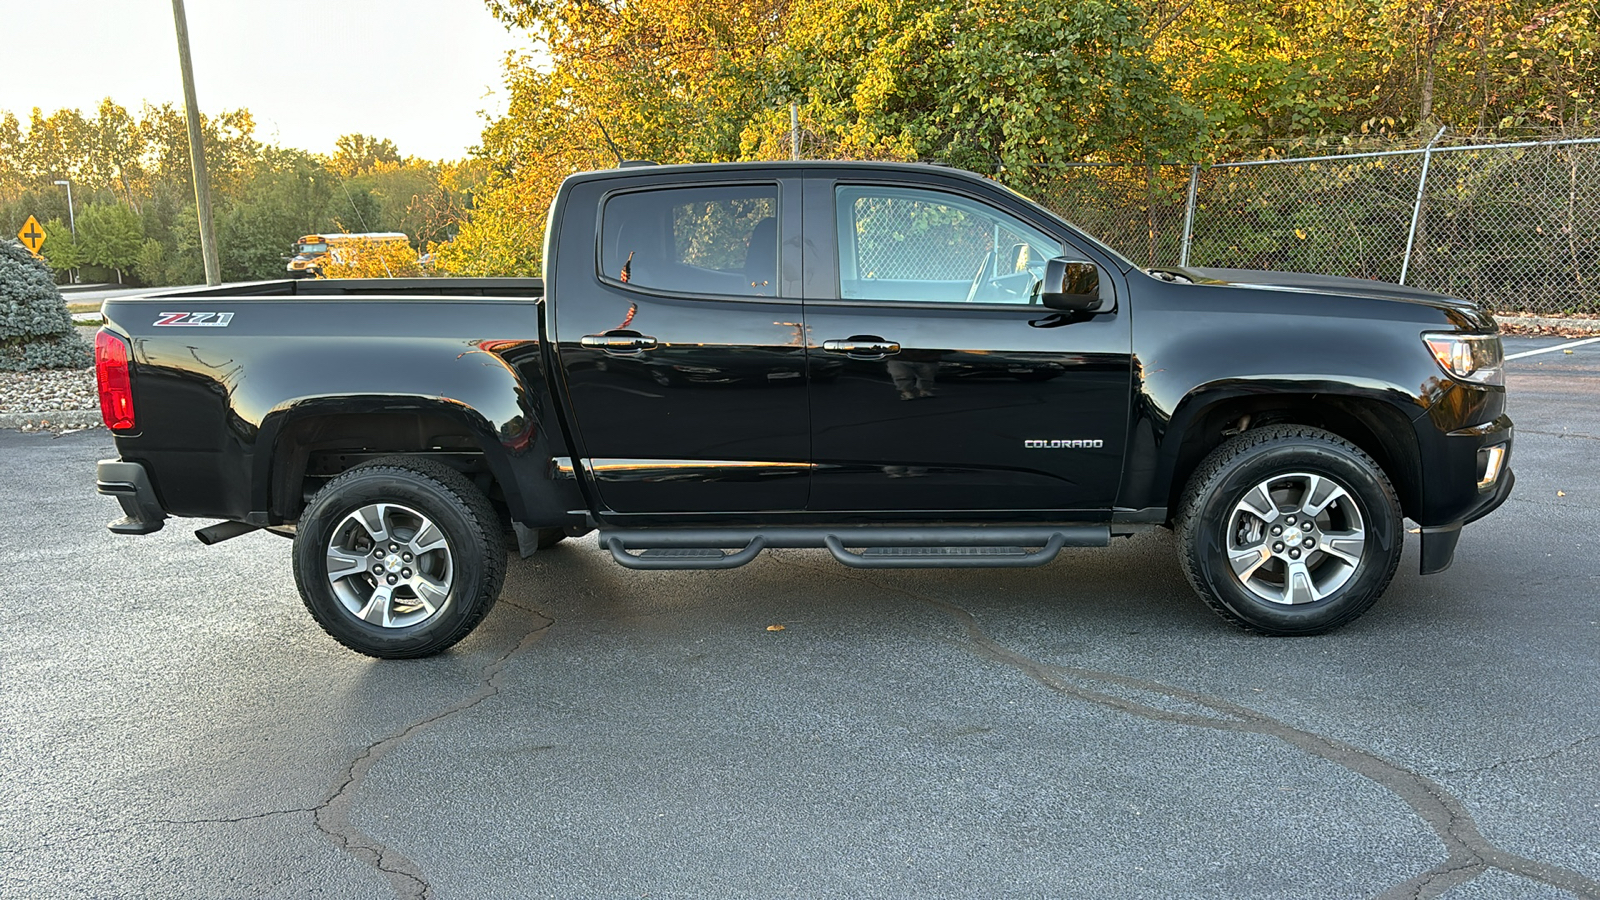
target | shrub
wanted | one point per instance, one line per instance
(35, 328)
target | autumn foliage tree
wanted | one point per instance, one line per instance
(1015, 89)
(355, 257)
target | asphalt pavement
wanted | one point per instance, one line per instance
(175, 725)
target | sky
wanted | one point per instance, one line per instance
(421, 73)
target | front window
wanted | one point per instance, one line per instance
(919, 245)
(694, 240)
(313, 249)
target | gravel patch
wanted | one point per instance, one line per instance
(48, 390)
(57, 400)
(1546, 326)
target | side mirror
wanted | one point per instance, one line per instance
(1072, 286)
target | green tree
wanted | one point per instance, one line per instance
(61, 250)
(151, 265)
(355, 154)
(110, 235)
(286, 194)
(1016, 88)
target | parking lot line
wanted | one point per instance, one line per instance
(1566, 346)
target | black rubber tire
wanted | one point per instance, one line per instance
(1236, 467)
(445, 496)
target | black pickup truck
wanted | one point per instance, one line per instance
(907, 365)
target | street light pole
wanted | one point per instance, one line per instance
(197, 150)
(72, 220)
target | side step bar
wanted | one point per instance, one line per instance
(948, 547)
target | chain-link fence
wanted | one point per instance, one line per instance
(1514, 227)
(1137, 209)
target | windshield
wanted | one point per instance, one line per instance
(312, 249)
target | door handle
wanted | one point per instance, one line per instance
(618, 342)
(862, 347)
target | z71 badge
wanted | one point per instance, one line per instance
(201, 319)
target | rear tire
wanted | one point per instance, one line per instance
(1289, 530)
(399, 558)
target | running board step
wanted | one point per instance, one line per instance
(879, 547)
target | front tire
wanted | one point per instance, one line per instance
(399, 558)
(1289, 530)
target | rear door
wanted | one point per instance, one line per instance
(682, 344)
(938, 381)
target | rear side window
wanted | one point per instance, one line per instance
(693, 240)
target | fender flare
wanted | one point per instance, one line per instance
(1387, 411)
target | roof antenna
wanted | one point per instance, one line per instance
(609, 142)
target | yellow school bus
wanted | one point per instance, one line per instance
(309, 250)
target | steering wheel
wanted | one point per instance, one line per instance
(979, 277)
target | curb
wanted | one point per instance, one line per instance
(1550, 322)
(51, 419)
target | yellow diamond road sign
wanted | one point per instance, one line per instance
(32, 235)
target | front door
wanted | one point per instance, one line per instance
(684, 363)
(937, 381)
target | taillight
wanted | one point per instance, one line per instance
(116, 391)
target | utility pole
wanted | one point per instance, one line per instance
(197, 150)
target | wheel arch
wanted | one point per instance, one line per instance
(319, 438)
(1205, 420)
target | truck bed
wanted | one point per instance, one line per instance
(519, 288)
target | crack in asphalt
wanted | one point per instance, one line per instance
(1468, 852)
(1436, 881)
(332, 816)
(1564, 748)
(233, 821)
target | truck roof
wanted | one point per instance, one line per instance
(635, 167)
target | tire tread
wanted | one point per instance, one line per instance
(1215, 465)
(452, 483)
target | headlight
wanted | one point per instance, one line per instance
(1477, 358)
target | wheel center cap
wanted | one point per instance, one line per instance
(392, 564)
(1292, 535)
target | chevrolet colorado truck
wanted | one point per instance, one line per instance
(906, 365)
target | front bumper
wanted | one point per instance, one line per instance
(1439, 541)
(1457, 494)
(130, 484)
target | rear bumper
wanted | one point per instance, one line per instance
(130, 484)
